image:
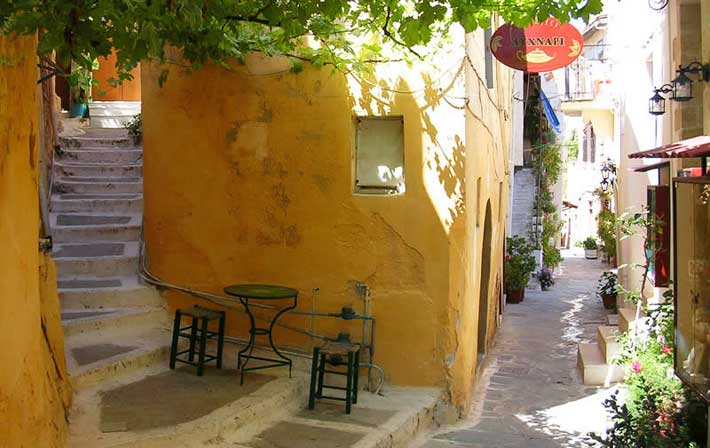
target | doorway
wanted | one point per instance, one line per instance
(485, 280)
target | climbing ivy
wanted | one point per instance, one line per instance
(547, 165)
(337, 32)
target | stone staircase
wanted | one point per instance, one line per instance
(595, 360)
(113, 114)
(523, 198)
(112, 323)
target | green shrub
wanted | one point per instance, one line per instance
(590, 243)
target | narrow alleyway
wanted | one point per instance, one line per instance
(529, 392)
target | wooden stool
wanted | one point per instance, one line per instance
(338, 355)
(201, 318)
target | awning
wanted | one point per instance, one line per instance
(692, 147)
(653, 166)
(567, 204)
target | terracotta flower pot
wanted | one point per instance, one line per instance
(515, 295)
(609, 301)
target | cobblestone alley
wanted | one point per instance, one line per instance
(529, 392)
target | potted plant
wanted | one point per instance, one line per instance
(135, 129)
(519, 264)
(544, 276)
(81, 81)
(607, 289)
(590, 248)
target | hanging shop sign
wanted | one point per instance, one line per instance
(541, 47)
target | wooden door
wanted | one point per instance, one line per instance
(128, 91)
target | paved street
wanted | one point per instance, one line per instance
(530, 393)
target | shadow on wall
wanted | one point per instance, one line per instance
(250, 179)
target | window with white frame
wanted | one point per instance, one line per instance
(379, 155)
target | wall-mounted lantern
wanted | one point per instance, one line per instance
(657, 103)
(681, 88)
(608, 174)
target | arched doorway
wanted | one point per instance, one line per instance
(485, 280)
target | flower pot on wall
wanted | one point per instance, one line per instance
(515, 296)
(79, 110)
(609, 301)
(590, 254)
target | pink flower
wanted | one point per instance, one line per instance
(636, 366)
(679, 404)
(666, 350)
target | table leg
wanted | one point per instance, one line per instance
(271, 332)
(252, 341)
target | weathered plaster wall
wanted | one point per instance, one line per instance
(249, 178)
(33, 380)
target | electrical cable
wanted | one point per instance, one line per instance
(150, 278)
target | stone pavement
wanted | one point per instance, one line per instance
(529, 392)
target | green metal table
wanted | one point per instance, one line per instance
(245, 293)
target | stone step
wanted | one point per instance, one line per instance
(606, 337)
(113, 114)
(76, 322)
(97, 185)
(594, 369)
(78, 227)
(95, 141)
(98, 259)
(267, 411)
(111, 108)
(94, 357)
(114, 156)
(188, 411)
(67, 169)
(116, 203)
(106, 292)
(111, 122)
(627, 318)
(612, 319)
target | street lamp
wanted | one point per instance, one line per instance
(657, 104)
(608, 174)
(681, 87)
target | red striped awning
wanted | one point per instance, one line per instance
(692, 147)
(654, 166)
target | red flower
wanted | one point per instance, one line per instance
(636, 366)
(507, 258)
(667, 350)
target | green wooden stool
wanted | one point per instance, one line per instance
(337, 355)
(197, 330)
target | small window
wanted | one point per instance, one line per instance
(379, 155)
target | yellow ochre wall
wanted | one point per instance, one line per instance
(248, 177)
(34, 391)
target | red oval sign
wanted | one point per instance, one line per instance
(541, 47)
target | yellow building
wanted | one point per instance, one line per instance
(391, 182)
(34, 392)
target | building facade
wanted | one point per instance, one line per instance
(386, 186)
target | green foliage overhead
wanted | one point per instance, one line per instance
(218, 31)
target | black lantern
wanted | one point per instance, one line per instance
(682, 87)
(608, 174)
(657, 104)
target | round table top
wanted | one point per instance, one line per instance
(266, 292)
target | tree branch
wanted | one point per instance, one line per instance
(390, 36)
